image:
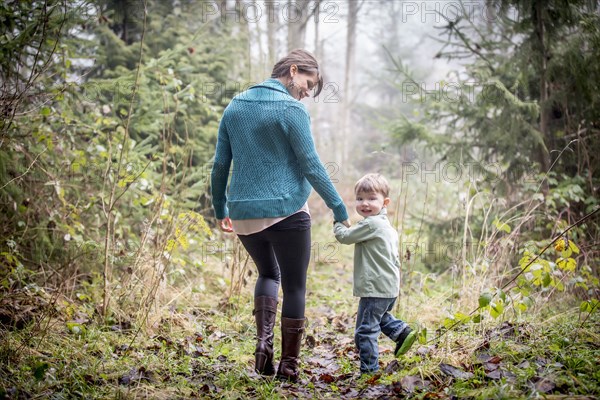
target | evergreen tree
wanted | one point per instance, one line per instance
(521, 96)
(522, 116)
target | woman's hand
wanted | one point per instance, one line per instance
(346, 223)
(225, 224)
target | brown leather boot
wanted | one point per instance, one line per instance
(265, 311)
(291, 339)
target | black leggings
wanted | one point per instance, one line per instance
(281, 254)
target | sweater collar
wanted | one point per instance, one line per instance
(273, 84)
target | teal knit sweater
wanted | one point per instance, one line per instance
(266, 133)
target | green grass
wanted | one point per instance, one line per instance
(202, 346)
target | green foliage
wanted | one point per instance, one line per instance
(501, 226)
(537, 275)
(589, 306)
(485, 299)
(108, 175)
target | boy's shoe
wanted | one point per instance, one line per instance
(405, 341)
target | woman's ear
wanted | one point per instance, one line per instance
(293, 70)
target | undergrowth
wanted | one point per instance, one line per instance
(200, 343)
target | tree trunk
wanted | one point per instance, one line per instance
(297, 14)
(245, 35)
(259, 75)
(272, 27)
(318, 55)
(223, 9)
(353, 7)
(318, 45)
(545, 109)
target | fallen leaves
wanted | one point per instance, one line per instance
(392, 367)
(20, 307)
(411, 383)
(455, 372)
(136, 375)
(544, 385)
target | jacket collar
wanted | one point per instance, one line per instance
(383, 211)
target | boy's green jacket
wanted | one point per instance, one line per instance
(376, 260)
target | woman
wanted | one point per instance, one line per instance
(265, 132)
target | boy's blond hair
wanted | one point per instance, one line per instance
(373, 183)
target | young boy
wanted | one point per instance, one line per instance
(376, 272)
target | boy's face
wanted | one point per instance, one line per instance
(370, 203)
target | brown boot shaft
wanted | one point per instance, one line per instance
(265, 312)
(292, 331)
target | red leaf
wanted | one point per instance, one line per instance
(373, 379)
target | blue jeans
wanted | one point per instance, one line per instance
(373, 318)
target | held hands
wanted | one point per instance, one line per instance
(225, 224)
(346, 223)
